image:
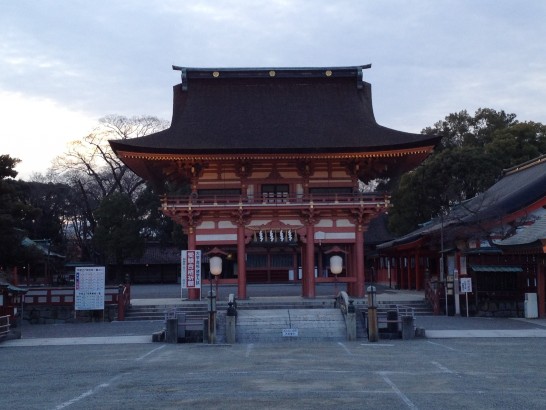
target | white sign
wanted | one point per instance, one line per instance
(89, 288)
(290, 332)
(466, 285)
(191, 270)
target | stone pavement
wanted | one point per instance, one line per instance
(436, 327)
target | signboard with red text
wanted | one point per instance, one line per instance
(191, 269)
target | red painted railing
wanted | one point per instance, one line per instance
(124, 300)
(64, 296)
(366, 199)
(433, 293)
(4, 326)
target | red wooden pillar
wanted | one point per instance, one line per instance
(408, 270)
(358, 292)
(193, 294)
(303, 270)
(418, 273)
(241, 263)
(350, 268)
(309, 270)
(400, 272)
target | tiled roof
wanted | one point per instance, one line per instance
(156, 254)
(528, 234)
(519, 188)
(273, 111)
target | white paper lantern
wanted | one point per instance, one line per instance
(215, 265)
(336, 264)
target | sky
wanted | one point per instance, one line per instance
(66, 64)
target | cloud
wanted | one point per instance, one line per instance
(429, 58)
(36, 130)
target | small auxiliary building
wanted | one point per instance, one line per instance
(270, 161)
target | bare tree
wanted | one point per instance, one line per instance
(91, 165)
(94, 172)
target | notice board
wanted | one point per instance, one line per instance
(89, 288)
(191, 270)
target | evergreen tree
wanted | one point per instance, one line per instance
(469, 159)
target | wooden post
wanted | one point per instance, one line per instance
(193, 294)
(241, 263)
(359, 252)
(309, 273)
(121, 303)
(373, 331)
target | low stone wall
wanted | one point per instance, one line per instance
(65, 314)
(499, 308)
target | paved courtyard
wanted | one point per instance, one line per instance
(468, 363)
(417, 374)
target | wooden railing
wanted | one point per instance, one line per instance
(434, 291)
(366, 199)
(124, 300)
(64, 296)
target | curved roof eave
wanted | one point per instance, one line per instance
(122, 145)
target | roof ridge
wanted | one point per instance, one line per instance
(268, 68)
(525, 165)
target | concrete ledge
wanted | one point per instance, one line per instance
(447, 334)
(67, 341)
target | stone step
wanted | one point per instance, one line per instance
(267, 325)
(136, 313)
(200, 308)
(278, 305)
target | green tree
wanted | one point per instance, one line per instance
(117, 235)
(470, 158)
(155, 225)
(14, 213)
(118, 228)
(54, 202)
(517, 144)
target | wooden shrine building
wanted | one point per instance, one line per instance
(265, 165)
(496, 239)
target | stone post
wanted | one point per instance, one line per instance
(171, 332)
(231, 320)
(350, 322)
(373, 330)
(407, 328)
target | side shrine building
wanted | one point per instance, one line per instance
(265, 166)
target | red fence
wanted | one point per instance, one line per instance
(434, 291)
(4, 326)
(62, 296)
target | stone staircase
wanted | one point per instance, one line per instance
(193, 310)
(270, 319)
(275, 325)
